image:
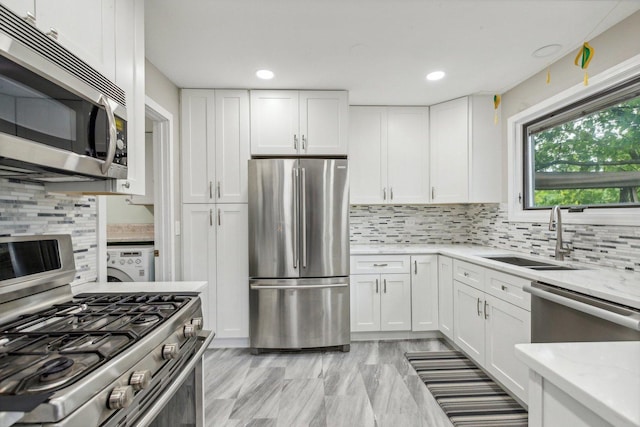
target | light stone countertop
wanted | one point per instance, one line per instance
(603, 376)
(124, 287)
(619, 286)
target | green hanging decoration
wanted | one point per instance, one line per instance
(496, 104)
(585, 54)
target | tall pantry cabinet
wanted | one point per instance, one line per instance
(214, 156)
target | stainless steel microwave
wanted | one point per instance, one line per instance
(60, 119)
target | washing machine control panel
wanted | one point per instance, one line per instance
(131, 263)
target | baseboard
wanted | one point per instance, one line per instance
(229, 343)
(394, 335)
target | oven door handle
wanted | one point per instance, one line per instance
(619, 319)
(205, 337)
(296, 287)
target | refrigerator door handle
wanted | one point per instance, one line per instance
(293, 288)
(295, 217)
(303, 232)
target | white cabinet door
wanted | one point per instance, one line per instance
(197, 114)
(424, 293)
(367, 154)
(365, 302)
(449, 136)
(232, 145)
(130, 76)
(232, 276)
(506, 326)
(395, 302)
(199, 254)
(408, 155)
(323, 123)
(445, 296)
(86, 28)
(21, 7)
(469, 320)
(274, 122)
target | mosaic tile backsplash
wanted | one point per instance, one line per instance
(487, 224)
(25, 208)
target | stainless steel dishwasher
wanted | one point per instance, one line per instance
(561, 315)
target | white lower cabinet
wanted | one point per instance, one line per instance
(380, 302)
(215, 249)
(424, 293)
(487, 329)
(445, 296)
(506, 325)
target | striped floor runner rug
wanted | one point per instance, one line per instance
(464, 392)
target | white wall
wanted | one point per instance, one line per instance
(160, 89)
(615, 45)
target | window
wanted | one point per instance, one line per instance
(586, 154)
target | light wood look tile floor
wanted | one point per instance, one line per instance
(372, 385)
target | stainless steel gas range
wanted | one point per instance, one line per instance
(94, 359)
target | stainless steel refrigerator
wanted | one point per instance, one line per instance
(298, 253)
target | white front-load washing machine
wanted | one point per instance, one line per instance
(133, 263)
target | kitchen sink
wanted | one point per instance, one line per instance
(520, 262)
(528, 263)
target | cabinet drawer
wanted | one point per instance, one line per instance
(371, 264)
(507, 288)
(471, 274)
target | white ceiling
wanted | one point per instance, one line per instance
(379, 50)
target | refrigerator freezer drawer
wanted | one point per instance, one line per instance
(299, 314)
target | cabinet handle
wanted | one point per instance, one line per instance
(53, 33)
(304, 141)
(415, 267)
(433, 193)
(504, 288)
(465, 274)
(380, 265)
(219, 217)
(376, 286)
(486, 312)
(211, 189)
(479, 306)
(295, 142)
(384, 194)
(210, 216)
(218, 189)
(30, 18)
(391, 192)
(385, 286)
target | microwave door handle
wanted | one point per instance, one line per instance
(111, 150)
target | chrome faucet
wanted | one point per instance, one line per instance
(555, 224)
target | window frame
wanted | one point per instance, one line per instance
(515, 152)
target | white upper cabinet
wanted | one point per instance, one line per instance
(215, 145)
(367, 154)
(465, 146)
(290, 123)
(232, 145)
(86, 28)
(197, 117)
(389, 155)
(408, 154)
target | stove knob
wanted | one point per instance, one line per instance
(191, 330)
(120, 397)
(197, 322)
(140, 380)
(170, 351)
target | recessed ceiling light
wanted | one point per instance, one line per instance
(436, 75)
(545, 51)
(265, 74)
